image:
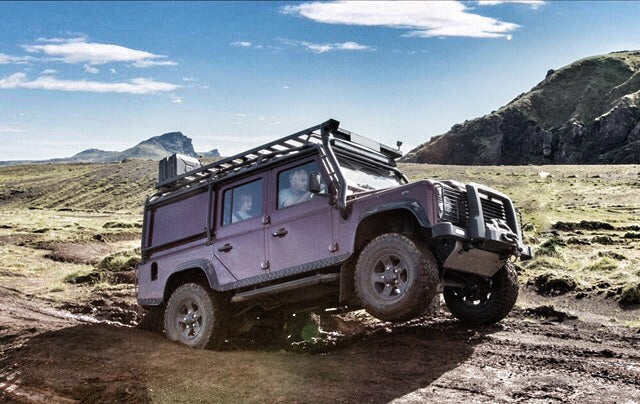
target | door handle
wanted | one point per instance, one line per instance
(225, 248)
(280, 233)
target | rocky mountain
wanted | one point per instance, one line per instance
(153, 148)
(584, 113)
(211, 153)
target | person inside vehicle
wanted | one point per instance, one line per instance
(242, 212)
(298, 190)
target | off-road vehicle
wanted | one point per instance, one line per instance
(320, 220)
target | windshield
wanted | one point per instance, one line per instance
(361, 177)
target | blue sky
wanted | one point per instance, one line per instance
(234, 75)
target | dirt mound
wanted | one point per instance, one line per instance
(107, 310)
(78, 253)
(549, 312)
(583, 225)
(549, 284)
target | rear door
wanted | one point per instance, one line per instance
(240, 238)
(300, 230)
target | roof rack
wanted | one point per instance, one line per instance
(259, 155)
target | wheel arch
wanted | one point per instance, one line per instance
(200, 271)
(395, 217)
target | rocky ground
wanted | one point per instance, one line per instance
(538, 354)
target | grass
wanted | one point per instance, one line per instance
(80, 276)
(583, 227)
(120, 261)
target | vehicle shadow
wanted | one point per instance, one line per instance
(100, 362)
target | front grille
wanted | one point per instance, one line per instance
(492, 210)
(457, 210)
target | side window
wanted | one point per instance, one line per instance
(242, 202)
(293, 184)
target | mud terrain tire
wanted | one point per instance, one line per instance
(396, 278)
(196, 316)
(485, 306)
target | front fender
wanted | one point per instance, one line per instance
(411, 205)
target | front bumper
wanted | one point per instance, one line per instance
(501, 236)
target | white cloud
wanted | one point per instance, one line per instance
(420, 19)
(19, 60)
(79, 38)
(6, 129)
(285, 87)
(188, 79)
(328, 47)
(113, 71)
(134, 86)
(175, 99)
(91, 69)
(78, 50)
(149, 63)
(49, 71)
(534, 4)
(241, 44)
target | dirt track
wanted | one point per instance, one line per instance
(533, 356)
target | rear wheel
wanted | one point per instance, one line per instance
(196, 316)
(487, 301)
(396, 278)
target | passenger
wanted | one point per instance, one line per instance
(244, 207)
(298, 190)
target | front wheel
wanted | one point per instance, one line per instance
(396, 277)
(487, 301)
(196, 317)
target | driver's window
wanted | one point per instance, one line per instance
(293, 184)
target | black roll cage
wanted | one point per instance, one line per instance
(331, 137)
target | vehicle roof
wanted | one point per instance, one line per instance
(290, 146)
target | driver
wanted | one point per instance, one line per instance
(298, 190)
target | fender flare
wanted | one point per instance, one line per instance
(203, 265)
(410, 205)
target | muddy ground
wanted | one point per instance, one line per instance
(537, 354)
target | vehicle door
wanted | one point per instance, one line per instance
(300, 229)
(239, 239)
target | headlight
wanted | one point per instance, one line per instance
(440, 199)
(447, 207)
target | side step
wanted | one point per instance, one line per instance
(284, 287)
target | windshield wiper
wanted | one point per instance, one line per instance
(365, 186)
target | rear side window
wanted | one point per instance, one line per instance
(242, 202)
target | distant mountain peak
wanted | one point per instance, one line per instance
(161, 146)
(154, 148)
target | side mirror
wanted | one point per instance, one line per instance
(315, 182)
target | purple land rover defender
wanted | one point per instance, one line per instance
(320, 219)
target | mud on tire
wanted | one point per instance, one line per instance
(488, 303)
(196, 316)
(396, 278)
